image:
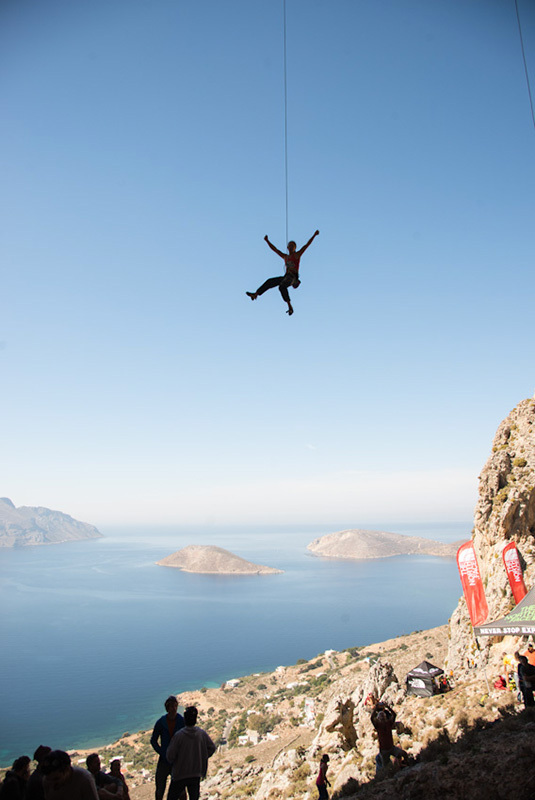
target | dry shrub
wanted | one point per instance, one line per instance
(368, 768)
(437, 748)
(302, 771)
(406, 742)
(350, 787)
(461, 720)
(428, 735)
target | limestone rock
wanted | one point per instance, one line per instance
(347, 716)
(505, 512)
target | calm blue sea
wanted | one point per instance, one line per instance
(94, 636)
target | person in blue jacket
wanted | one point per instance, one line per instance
(163, 732)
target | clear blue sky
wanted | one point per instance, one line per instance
(142, 163)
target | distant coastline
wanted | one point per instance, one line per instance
(358, 543)
(36, 525)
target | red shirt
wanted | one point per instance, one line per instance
(292, 261)
(320, 780)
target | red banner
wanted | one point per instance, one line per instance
(474, 594)
(513, 567)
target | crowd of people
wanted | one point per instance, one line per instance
(183, 749)
(55, 777)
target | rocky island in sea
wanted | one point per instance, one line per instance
(29, 525)
(358, 543)
(210, 560)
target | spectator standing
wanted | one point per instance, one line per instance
(164, 730)
(321, 780)
(383, 719)
(526, 674)
(62, 781)
(188, 753)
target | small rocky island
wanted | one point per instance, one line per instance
(29, 525)
(209, 560)
(361, 544)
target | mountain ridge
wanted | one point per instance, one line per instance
(37, 525)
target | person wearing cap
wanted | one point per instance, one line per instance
(164, 730)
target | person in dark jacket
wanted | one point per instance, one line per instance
(163, 732)
(108, 787)
(526, 677)
(16, 780)
(62, 781)
(35, 789)
(115, 772)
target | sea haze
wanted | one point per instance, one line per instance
(95, 636)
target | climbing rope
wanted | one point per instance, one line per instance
(285, 117)
(525, 63)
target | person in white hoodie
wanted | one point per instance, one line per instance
(188, 754)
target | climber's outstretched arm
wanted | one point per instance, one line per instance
(278, 252)
(300, 252)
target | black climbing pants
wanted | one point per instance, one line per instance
(283, 283)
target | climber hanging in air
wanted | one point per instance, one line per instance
(290, 278)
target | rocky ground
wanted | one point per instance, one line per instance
(467, 743)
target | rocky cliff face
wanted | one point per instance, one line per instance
(505, 512)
